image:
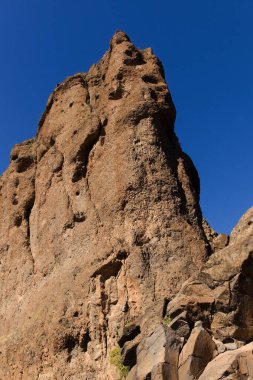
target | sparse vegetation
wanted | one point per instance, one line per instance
(167, 320)
(115, 359)
(128, 325)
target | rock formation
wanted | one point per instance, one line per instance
(108, 269)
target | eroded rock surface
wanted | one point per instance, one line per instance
(100, 220)
(196, 354)
(211, 316)
(104, 254)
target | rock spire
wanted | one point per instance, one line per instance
(100, 224)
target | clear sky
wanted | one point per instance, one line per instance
(206, 47)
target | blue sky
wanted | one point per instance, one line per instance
(206, 50)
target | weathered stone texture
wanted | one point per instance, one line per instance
(103, 248)
(100, 220)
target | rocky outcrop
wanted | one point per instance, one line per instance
(196, 354)
(211, 316)
(236, 364)
(105, 259)
(100, 221)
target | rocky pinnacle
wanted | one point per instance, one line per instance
(100, 222)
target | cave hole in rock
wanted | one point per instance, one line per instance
(130, 358)
(28, 209)
(149, 79)
(69, 358)
(134, 58)
(119, 76)
(153, 95)
(18, 221)
(14, 157)
(24, 163)
(165, 304)
(117, 93)
(85, 340)
(103, 125)
(78, 174)
(129, 53)
(15, 201)
(110, 269)
(69, 343)
(27, 213)
(82, 156)
(102, 131)
(228, 340)
(129, 333)
(79, 217)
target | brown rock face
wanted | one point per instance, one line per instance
(196, 354)
(105, 272)
(211, 317)
(100, 222)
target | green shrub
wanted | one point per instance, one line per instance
(115, 359)
(167, 320)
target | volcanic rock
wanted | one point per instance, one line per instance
(100, 219)
(103, 248)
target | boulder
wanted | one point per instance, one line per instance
(236, 364)
(157, 356)
(196, 354)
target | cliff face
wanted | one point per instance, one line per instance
(100, 227)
